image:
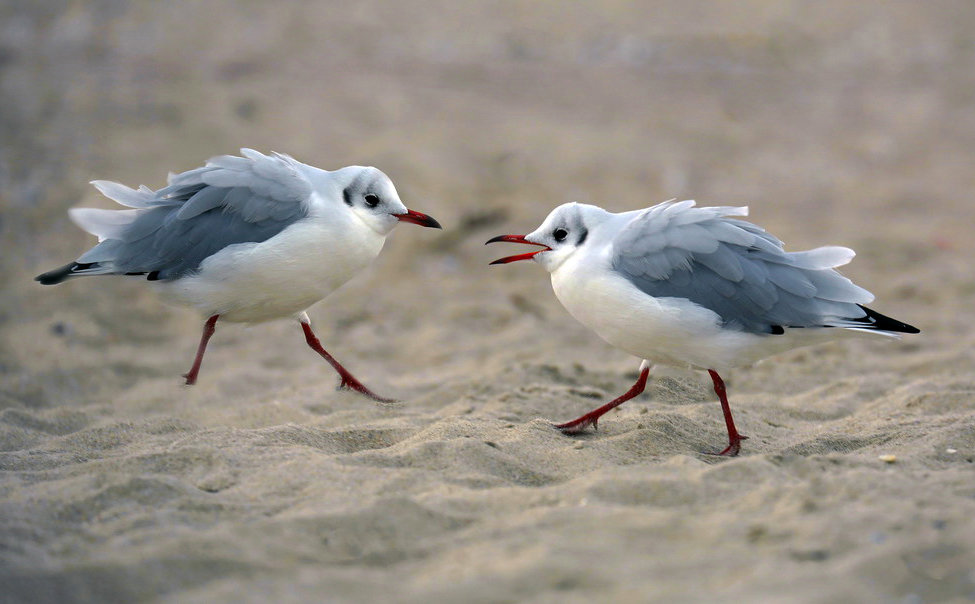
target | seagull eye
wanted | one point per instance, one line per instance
(560, 234)
(372, 200)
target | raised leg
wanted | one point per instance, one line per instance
(208, 328)
(734, 439)
(348, 380)
(592, 418)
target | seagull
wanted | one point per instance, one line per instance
(245, 239)
(684, 286)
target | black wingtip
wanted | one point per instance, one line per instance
(57, 275)
(885, 323)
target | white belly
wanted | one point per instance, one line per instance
(671, 331)
(280, 277)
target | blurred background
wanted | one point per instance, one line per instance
(837, 122)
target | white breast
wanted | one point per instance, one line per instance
(280, 277)
(670, 331)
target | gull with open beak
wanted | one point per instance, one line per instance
(695, 287)
(245, 239)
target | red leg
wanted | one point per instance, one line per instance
(348, 380)
(208, 328)
(590, 419)
(734, 439)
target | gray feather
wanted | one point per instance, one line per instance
(123, 195)
(691, 237)
(103, 252)
(724, 262)
(791, 280)
(200, 212)
(203, 200)
(736, 269)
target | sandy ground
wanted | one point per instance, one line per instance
(837, 122)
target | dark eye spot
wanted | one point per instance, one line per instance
(372, 200)
(560, 234)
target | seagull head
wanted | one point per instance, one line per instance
(564, 231)
(371, 197)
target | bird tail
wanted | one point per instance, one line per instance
(875, 322)
(72, 269)
(108, 225)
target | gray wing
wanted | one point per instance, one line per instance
(172, 230)
(736, 269)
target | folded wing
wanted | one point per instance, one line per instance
(172, 230)
(737, 270)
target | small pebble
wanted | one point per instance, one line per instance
(60, 329)
(951, 451)
(887, 458)
(578, 446)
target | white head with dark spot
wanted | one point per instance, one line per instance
(564, 231)
(372, 197)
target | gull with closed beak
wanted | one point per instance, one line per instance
(695, 287)
(245, 239)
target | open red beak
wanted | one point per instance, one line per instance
(414, 217)
(517, 239)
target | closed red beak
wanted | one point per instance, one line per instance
(517, 239)
(414, 217)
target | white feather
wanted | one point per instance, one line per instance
(104, 224)
(829, 256)
(124, 195)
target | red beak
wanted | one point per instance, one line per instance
(517, 239)
(414, 217)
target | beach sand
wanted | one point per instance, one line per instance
(838, 123)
